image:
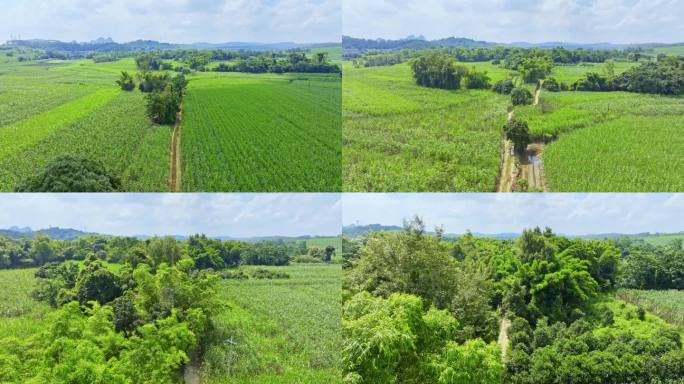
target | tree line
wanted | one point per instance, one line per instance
(206, 253)
(422, 308)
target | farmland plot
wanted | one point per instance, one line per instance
(261, 133)
(402, 137)
(56, 108)
(666, 304)
(278, 331)
(613, 141)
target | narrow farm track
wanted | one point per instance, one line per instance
(503, 336)
(191, 371)
(528, 166)
(174, 156)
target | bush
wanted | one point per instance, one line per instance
(266, 274)
(162, 107)
(126, 82)
(551, 85)
(437, 71)
(71, 174)
(518, 132)
(306, 259)
(521, 96)
(503, 87)
(97, 283)
(476, 80)
(234, 275)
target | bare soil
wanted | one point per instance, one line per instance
(174, 156)
(503, 336)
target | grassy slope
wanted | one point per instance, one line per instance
(665, 304)
(55, 108)
(278, 331)
(20, 315)
(398, 136)
(262, 133)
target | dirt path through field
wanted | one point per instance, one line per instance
(174, 156)
(528, 166)
(503, 336)
(507, 170)
(191, 370)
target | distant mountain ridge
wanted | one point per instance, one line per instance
(57, 233)
(412, 42)
(107, 45)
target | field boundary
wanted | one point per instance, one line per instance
(174, 155)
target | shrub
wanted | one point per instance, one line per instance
(437, 71)
(306, 259)
(521, 96)
(503, 87)
(126, 82)
(71, 174)
(518, 132)
(476, 80)
(266, 274)
(551, 85)
(234, 275)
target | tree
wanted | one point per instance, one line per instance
(163, 250)
(42, 250)
(71, 174)
(328, 253)
(609, 69)
(503, 87)
(521, 96)
(552, 85)
(437, 71)
(534, 69)
(97, 283)
(162, 107)
(476, 80)
(126, 81)
(518, 132)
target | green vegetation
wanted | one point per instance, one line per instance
(599, 114)
(398, 136)
(275, 131)
(121, 310)
(261, 133)
(665, 304)
(69, 174)
(277, 330)
(422, 308)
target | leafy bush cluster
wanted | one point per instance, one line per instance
(71, 174)
(135, 325)
(664, 77)
(420, 308)
(441, 71)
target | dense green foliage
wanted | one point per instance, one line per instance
(71, 174)
(437, 71)
(205, 253)
(517, 131)
(408, 294)
(521, 96)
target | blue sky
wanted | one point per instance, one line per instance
(585, 21)
(178, 21)
(572, 214)
(234, 214)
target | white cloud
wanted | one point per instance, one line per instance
(587, 21)
(177, 21)
(493, 213)
(229, 214)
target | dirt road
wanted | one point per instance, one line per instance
(527, 166)
(191, 371)
(503, 336)
(174, 156)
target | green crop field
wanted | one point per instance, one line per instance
(20, 314)
(612, 141)
(53, 108)
(322, 242)
(278, 331)
(675, 50)
(666, 304)
(268, 132)
(398, 136)
(570, 73)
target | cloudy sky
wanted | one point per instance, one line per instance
(237, 215)
(571, 214)
(583, 21)
(176, 21)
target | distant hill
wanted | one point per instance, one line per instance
(361, 230)
(54, 233)
(107, 45)
(352, 44)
